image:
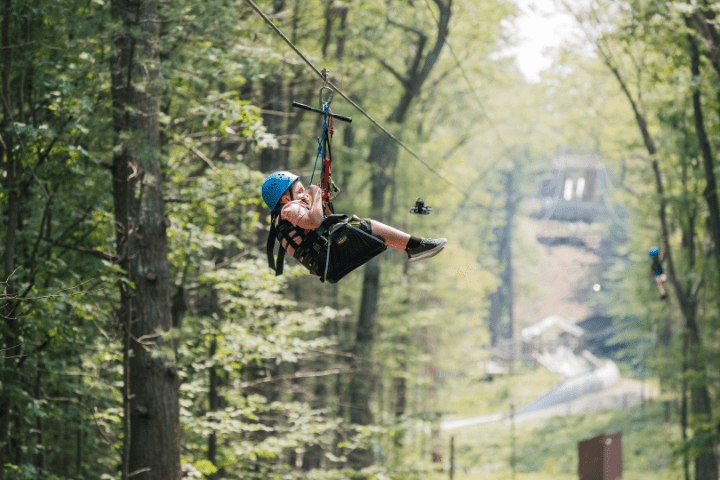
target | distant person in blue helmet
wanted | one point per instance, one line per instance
(656, 271)
(329, 245)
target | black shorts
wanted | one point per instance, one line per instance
(352, 246)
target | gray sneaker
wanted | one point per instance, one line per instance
(429, 247)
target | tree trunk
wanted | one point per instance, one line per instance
(215, 400)
(683, 406)
(706, 467)
(213, 403)
(361, 380)
(152, 431)
(7, 372)
(312, 458)
(272, 101)
(382, 158)
(495, 315)
(506, 252)
(710, 193)
(340, 51)
(40, 456)
(400, 389)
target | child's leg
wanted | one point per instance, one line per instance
(393, 237)
(660, 280)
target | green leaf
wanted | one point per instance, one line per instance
(206, 467)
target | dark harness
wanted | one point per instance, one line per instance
(657, 267)
(308, 252)
(331, 251)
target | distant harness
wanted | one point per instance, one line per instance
(657, 268)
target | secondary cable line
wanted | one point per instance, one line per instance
(337, 90)
(467, 79)
(480, 104)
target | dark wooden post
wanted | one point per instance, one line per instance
(452, 458)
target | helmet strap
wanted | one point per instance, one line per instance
(289, 191)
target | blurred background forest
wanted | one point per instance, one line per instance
(145, 337)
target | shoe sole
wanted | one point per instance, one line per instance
(429, 253)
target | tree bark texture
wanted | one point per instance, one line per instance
(10, 329)
(152, 435)
(494, 316)
(710, 193)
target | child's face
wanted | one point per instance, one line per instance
(298, 192)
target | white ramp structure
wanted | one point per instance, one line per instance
(599, 379)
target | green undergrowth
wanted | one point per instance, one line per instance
(547, 449)
(473, 396)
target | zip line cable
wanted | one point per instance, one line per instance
(335, 89)
(472, 88)
(505, 146)
(481, 177)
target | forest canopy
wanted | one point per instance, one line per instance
(143, 334)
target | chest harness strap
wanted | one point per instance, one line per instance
(307, 252)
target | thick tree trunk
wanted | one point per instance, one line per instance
(152, 433)
(9, 160)
(7, 370)
(710, 193)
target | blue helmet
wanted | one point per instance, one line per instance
(275, 185)
(654, 252)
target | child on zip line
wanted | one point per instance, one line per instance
(328, 245)
(656, 271)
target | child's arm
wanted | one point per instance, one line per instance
(312, 218)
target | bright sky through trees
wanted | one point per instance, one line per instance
(540, 28)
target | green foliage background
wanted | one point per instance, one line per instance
(244, 323)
